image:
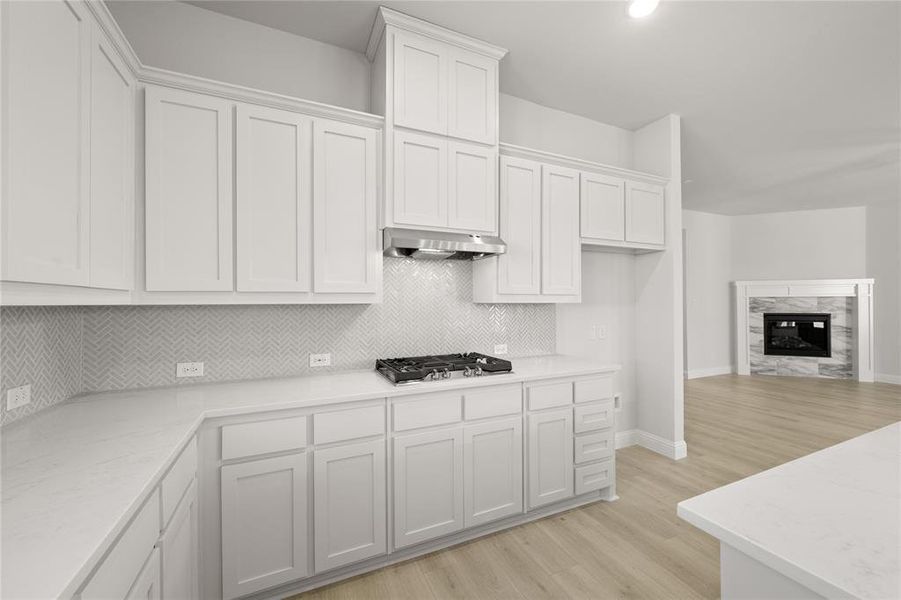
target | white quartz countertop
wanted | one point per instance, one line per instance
(830, 520)
(73, 475)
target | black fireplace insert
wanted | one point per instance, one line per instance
(802, 334)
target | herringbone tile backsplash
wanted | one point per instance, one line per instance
(427, 308)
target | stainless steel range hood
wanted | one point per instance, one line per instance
(436, 245)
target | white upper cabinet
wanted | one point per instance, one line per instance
(472, 193)
(645, 213)
(561, 265)
(274, 200)
(603, 201)
(420, 179)
(45, 130)
(188, 191)
(347, 257)
(420, 82)
(112, 168)
(472, 97)
(519, 269)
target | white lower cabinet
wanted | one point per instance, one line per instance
(550, 456)
(428, 486)
(492, 470)
(179, 551)
(264, 523)
(350, 506)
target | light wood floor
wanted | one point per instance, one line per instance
(637, 547)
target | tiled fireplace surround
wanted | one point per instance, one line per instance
(848, 301)
(427, 307)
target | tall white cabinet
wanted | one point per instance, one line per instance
(540, 223)
(304, 208)
(67, 181)
(188, 165)
(274, 200)
(438, 91)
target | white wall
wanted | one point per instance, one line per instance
(812, 244)
(883, 250)
(608, 301)
(525, 123)
(818, 244)
(184, 38)
(658, 299)
(708, 305)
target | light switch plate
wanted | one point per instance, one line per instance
(18, 396)
(500, 348)
(320, 360)
(189, 369)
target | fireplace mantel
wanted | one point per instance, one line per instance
(860, 290)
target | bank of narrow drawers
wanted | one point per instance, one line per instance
(594, 432)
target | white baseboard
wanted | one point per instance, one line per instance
(655, 443)
(886, 378)
(708, 372)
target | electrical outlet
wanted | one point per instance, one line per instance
(321, 360)
(189, 369)
(19, 396)
(500, 348)
(601, 331)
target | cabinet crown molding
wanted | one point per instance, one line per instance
(579, 164)
(387, 16)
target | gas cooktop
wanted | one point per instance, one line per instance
(443, 366)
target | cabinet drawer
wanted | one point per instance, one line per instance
(350, 424)
(123, 564)
(492, 402)
(550, 395)
(427, 411)
(594, 389)
(594, 446)
(591, 417)
(178, 479)
(263, 437)
(594, 477)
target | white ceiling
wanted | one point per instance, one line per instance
(785, 105)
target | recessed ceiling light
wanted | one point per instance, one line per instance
(642, 8)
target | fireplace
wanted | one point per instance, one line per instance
(801, 334)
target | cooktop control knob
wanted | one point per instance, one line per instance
(467, 372)
(478, 372)
(445, 374)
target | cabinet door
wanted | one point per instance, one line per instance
(179, 547)
(428, 486)
(561, 247)
(274, 187)
(472, 97)
(420, 179)
(645, 213)
(492, 470)
(346, 254)
(550, 443)
(264, 524)
(112, 168)
(147, 585)
(603, 207)
(45, 81)
(350, 507)
(420, 82)
(188, 162)
(472, 195)
(519, 269)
